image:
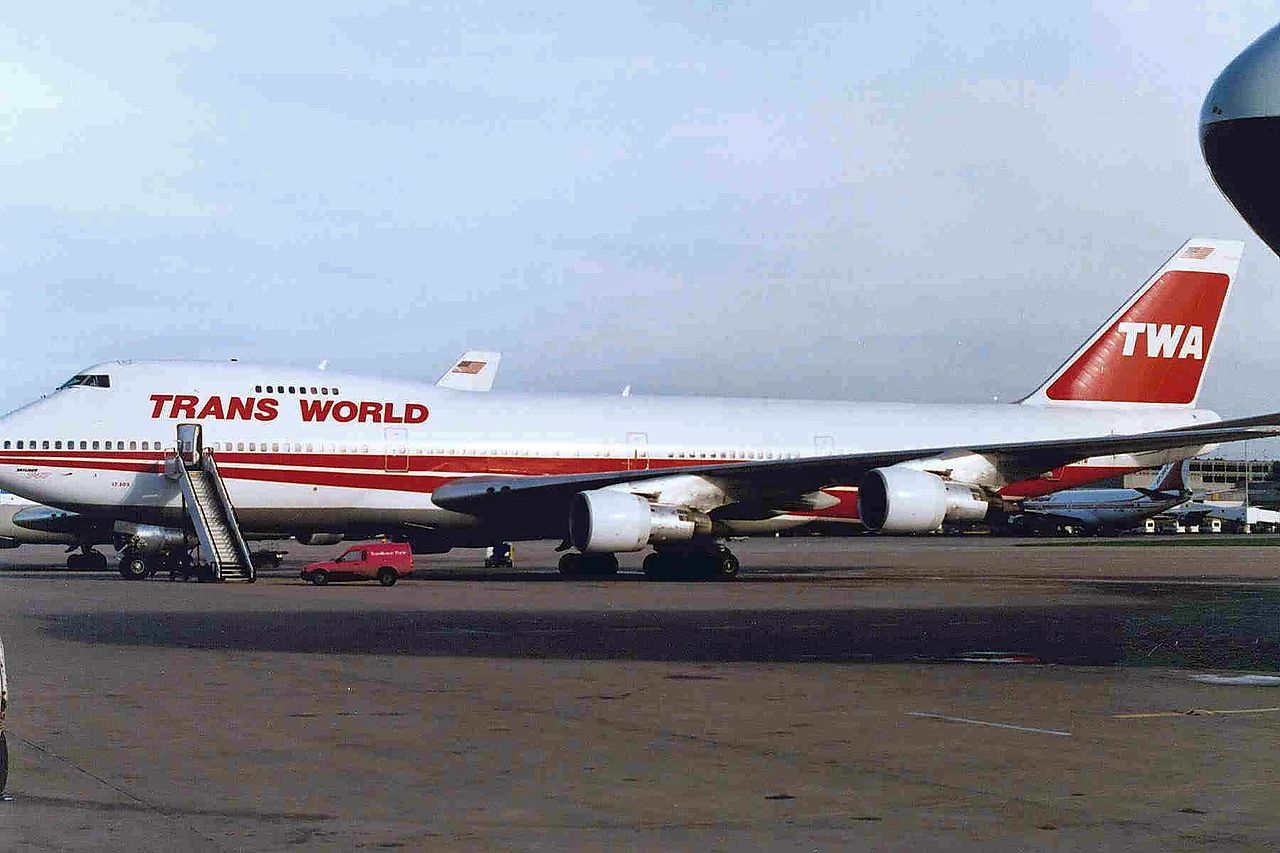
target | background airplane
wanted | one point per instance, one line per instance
(1240, 134)
(1099, 510)
(475, 371)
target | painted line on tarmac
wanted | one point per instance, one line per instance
(1195, 712)
(929, 716)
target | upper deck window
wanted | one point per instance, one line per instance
(87, 380)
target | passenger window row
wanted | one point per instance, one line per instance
(53, 444)
(297, 389)
(320, 447)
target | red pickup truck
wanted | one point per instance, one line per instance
(386, 561)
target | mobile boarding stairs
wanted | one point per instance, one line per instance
(221, 545)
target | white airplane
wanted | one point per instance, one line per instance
(1105, 509)
(25, 522)
(167, 447)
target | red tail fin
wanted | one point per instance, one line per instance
(1170, 478)
(1156, 347)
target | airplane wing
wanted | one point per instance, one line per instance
(475, 371)
(1046, 517)
(792, 477)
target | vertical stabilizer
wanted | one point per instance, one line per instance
(1154, 350)
(1171, 478)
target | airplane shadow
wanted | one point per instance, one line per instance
(1226, 631)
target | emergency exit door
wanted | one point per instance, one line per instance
(397, 439)
(637, 451)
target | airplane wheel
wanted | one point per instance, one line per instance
(319, 577)
(134, 567)
(726, 566)
(570, 564)
(387, 576)
(598, 564)
(657, 567)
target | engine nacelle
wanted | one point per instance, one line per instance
(320, 538)
(606, 522)
(149, 538)
(904, 500)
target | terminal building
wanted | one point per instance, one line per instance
(1221, 480)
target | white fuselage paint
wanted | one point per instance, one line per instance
(287, 473)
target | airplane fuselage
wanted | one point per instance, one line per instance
(1117, 509)
(312, 450)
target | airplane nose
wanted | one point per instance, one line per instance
(1240, 135)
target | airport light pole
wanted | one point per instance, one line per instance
(1248, 528)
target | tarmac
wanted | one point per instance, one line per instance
(862, 693)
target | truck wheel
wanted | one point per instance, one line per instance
(387, 576)
(319, 577)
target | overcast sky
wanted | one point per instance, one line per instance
(918, 203)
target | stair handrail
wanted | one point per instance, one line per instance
(210, 467)
(202, 530)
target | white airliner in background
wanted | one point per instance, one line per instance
(306, 452)
(1105, 509)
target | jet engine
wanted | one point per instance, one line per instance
(904, 500)
(149, 538)
(319, 538)
(606, 522)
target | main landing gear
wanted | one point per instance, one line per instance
(136, 565)
(581, 565)
(714, 563)
(688, 563)
(89, 560)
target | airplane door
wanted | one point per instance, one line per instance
(637, 451)
(397, 449)
(190, 444)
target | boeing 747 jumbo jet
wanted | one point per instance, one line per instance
(189, 454)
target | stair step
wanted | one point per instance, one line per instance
(209, 513)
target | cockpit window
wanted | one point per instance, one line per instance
(89, 380)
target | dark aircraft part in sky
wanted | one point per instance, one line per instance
(1244, 158)
(1240, 135)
